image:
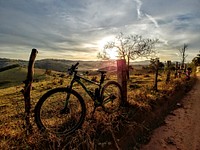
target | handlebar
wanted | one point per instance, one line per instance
(73, 68)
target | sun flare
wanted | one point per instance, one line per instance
(112, 53)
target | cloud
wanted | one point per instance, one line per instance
(67, 28)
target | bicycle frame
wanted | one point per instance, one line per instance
(77, 78)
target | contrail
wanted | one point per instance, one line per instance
(153, 20)
(139, 4)
(140, 14)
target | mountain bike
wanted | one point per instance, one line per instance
(62, 110)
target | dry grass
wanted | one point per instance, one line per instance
(98, 132)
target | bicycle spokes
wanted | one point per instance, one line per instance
(55, 118)
(111, 97)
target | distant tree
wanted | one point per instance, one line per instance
(196, 60)
(132, 47)
(153, 64)
(103, 55)
(183, 55)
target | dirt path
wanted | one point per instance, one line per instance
(182, 128)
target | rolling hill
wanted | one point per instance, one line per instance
(16, 76)
(13, 72)
(57, 64)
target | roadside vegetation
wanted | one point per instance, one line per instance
(98, 131)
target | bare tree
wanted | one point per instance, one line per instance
(132, 47)
(183, 55)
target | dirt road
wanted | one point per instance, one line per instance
(182, 128)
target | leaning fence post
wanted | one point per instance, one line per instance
(27, 90)
(122, 78)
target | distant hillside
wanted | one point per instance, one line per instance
(17, 75)
(13, 72)
(57, 64)
(9, 67)
(62, 65)
(4, 62)
(145, 62)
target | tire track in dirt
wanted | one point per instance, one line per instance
(182, 126)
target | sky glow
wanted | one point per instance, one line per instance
(78, 29)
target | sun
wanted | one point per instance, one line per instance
(112, 53)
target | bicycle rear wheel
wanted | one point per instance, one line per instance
(111, 96)
(48, 116)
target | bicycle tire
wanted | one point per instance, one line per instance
(109, 90)
(47, 112)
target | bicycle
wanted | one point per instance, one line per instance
(62, 110)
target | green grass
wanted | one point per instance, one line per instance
(16, 76)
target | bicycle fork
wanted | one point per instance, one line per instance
(66, 110)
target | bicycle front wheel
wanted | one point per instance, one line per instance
(48, 116)
(111, 96)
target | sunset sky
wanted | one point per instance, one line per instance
(78, 29)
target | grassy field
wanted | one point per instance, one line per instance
(98, 132)
(16, 76)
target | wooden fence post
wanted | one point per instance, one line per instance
(185, 68)
(176, 70)
(27, 90)
(155, 87)
(179, 71)
(122, 78)
(168, 71)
